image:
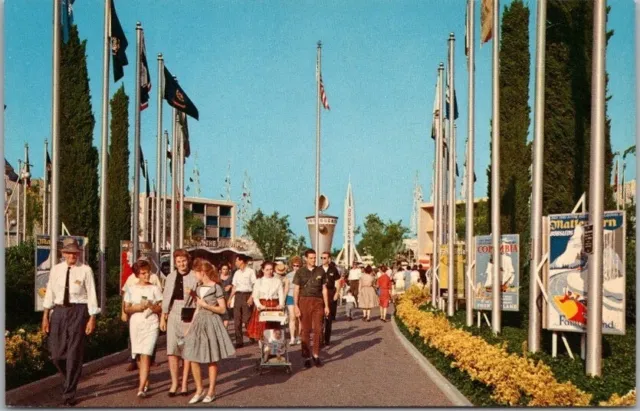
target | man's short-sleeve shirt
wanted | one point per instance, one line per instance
(310, 281)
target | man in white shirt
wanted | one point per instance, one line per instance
(354, 280)
(71, 295)
(243, 281)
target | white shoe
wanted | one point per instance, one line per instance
(292, 342)
(208, 399)
(197, 398)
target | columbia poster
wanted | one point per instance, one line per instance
(145, 250)
(43, 263)
(567, 275)
(483, 275)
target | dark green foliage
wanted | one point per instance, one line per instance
(118, 197)
(381, 240)
(273, 235)
(20, 282)
(481, 226)
(79, 203)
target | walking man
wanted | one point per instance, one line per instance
(332, 274)
(72, 302)
(242, 283)
(311, 300)
(354, 280)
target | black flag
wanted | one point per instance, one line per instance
(48, 168)
(118, 45)
(176, 97)
(10, 172)
(148, 190)
(182, 120)
(145, 78)
(144, 172)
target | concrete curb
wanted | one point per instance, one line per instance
(19, 394)
(449, 390)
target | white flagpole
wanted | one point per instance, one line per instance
(174, 187)
(165, 190)
(159, 161)
(55, 135)
(469, 168)
(102, 247)
(25, 176)
(18, 211)
(44, 191)
(452, 182)
(317, 199)
(535, 313)
(135, 209)
(496, 312)
(437, 205)
(181, 184)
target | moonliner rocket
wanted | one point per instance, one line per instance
(348, 255)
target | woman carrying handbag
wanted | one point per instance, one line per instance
(206, 339)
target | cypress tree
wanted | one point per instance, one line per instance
(118, 197)
(79, 203)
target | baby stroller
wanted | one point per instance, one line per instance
(274, 349)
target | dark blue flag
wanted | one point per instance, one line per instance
(119, 45)
(145, 78)
(455, 106)
(176, 97)
(66, 18)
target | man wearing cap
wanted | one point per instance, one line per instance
(72, 302)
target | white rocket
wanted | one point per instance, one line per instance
(349, 254)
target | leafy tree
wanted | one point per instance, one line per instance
(382, 241)
(20, 282)
(192, 223)
(34, 209)
(273, 235)
(118, 195)
(481, 211)
(79, 203)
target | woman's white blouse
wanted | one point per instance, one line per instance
(268, 289)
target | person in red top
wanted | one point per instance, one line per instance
(384, 285)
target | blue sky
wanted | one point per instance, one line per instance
(250, 69)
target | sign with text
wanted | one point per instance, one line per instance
(509, 269)
(443, 271)
(567, 273)
(44, 263)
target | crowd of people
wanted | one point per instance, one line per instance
(195, 303)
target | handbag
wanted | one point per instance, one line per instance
(186, 314)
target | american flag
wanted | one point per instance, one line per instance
(323, 95)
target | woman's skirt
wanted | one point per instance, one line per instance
(255, 328)
(144, 333)
(385, 297)
(175, 329)
(367, 299)
(207, 341)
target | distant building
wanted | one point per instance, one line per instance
(425, 231)
(626, 192)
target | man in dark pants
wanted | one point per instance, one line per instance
(332, 275)
(71, 295)
(311, 300)
(242, 283)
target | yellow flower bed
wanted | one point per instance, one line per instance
(509, 375)
(626, 400)
(21, 346)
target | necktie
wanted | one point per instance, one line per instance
(66, 289)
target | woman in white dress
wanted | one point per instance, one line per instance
(143, 305)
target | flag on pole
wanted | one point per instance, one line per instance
(436, 112)
(48, 167)
(119, 45)
(144, 172)
(27, 170)
(10, 172)
(66, 18)
(323, 95)
(457, 174)
(145, 78)
(615, 179)
(182, 120)
(447, 105)
(148, 188)
(176, 97)
(486, 21)
(466, 32)
(630, 150)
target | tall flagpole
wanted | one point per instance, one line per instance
(437, 198)
(317, 202)
(165, 190)
(26, 175)
(44, 191)
(452, 182)
(174, 188)
(181, 185)
(159, 160)
(535, 315)
(470, 159)
(147, 205)
(136, 148)
(596, 189)
(55, 135)
(496, 312)
(102, 252)
(18, 185)
(440, 194)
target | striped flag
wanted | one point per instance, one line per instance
(323, 95)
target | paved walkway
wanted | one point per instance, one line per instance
(364, 366)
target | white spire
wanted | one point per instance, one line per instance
(417, 199)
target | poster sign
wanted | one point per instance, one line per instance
(568, 270)
(43, 263)
(145, 250)
(509, 267)
(443, 271)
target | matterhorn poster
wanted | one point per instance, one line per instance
(568, 270)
